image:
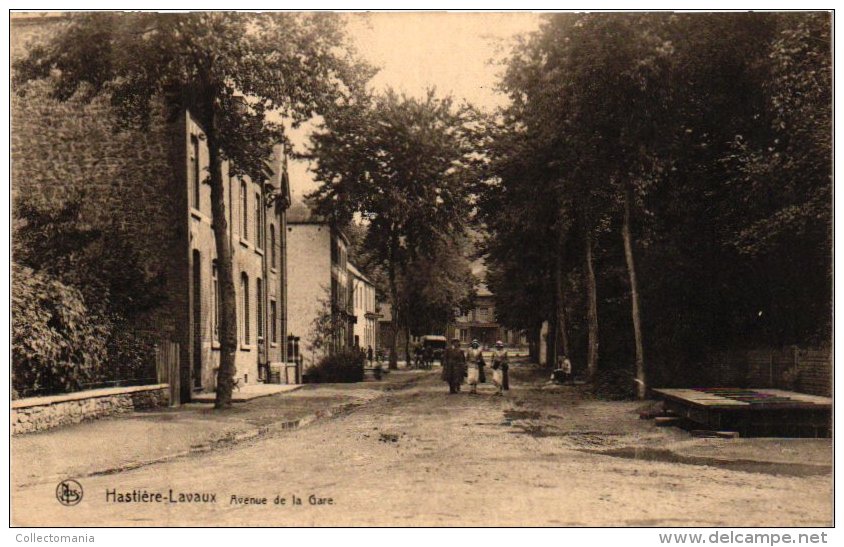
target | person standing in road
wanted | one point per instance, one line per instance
(500, 368)
(475, 363)
(454, 364)
(369, 354)
(428, 356)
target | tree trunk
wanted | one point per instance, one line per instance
(560, 304)
(641, 383)
(407, 359)
(551, 343)
(225, 276)
(533, 336)
(394, 320)
(591, 311)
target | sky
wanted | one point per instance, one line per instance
(415, 51)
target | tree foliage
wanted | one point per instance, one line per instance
(405, 164)
(705, 140)
(238, 74)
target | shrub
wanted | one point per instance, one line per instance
(615, 385)
(103, 263)
(341, 367)
(130, 355)
(57, 346)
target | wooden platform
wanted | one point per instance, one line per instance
(752, 412)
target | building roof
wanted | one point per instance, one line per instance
(483, 290)
(300, 213)
(358, 274)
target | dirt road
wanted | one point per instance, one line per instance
(420, 456)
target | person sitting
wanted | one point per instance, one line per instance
(562, 374)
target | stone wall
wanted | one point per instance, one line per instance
(130, 181)
(42, 413)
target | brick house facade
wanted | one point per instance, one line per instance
(151, 183)
(256, 233)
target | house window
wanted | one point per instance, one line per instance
(482, 313)
(464, 335)
(273, 322)
(259, 308)
(335, 292)
(244, 211)
(259, 232)
(273, 260)
(193, 171)
(244, 304)
(215, 285)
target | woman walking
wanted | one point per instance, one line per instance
(475, 363)
(500, 368)
(454, 363)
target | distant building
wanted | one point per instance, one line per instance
(480, 324)
(318, 283)
(362, 290)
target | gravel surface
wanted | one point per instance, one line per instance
(419, 456)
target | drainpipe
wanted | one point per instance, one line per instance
(282, 273)
(264, 349)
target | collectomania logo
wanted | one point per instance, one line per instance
(69, 492)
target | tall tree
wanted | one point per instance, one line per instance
(438, 281)
(703, 140)
(230, 70)
(404, 163)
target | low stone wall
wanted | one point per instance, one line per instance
(41, 413)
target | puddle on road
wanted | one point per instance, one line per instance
(748, 466)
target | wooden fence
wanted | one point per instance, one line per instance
(793, 369)
(167, 367)
(803, 370)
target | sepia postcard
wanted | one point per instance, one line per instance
(422, 269)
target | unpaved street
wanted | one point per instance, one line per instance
(419, 456)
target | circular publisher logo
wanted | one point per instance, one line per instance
(69, 492)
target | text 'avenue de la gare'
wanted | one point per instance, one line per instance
(172, 496)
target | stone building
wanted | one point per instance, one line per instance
(318, 284)
(150, 185)
(365, 322)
